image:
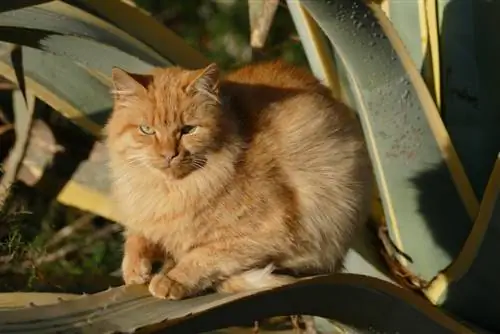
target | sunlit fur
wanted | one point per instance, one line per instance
(276, 175)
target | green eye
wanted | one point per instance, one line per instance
(147, 130)
(187, 129)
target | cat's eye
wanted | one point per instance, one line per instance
(146, 129)
(188, 129)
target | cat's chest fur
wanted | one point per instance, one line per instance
(172, 217)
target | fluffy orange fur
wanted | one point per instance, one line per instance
(229, 179)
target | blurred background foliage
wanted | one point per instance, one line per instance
(220, 29)
(46, 246)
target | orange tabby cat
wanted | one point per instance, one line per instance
(226, 179)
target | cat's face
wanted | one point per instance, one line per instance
(169, 120)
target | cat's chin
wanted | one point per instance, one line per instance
(177, 173)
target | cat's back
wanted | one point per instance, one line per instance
(297, 130)
(287, 106)
(277, 73)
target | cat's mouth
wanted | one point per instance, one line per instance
(183, 164)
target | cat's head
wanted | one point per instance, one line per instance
(170, 120)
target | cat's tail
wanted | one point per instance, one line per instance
(265, 278)
(254, 279)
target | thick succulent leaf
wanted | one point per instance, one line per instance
(20, 300)
(319, 54)
(412, 153)
(470, 81)
(131, 309)
(64, 85)
(409, 19)
(469, 286)
(86, 52)
(470, 111)
(146, 29)
(438, 37)
(63, 19)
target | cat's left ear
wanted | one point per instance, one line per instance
(206, 83)
(128, 84)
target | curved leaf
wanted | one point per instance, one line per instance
(359, 301)
(409, 146)
(62, 19)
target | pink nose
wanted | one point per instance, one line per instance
(169, 156)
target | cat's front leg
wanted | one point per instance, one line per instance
(205, 266)
(163, 287)
(138, 257)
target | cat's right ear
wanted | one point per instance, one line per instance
(128, 84)
(206, 82)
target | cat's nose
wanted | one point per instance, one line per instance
(169, 156)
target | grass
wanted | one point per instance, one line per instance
(34, 256)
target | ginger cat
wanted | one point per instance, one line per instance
(228, 179)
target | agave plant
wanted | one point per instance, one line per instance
(429, 219)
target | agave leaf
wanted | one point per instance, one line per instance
(146, 29)
(469, 286)
(470, 81)
(58, 18)
(67, 87)
(417, 25)
(84, 51)
(319, 54)
(409, 19)
(12, 300)
(131, 309)
(410, 148)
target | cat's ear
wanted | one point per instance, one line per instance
(206, 83)
(128, 84)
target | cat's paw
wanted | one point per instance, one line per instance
(136, 270)
(163, 287)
